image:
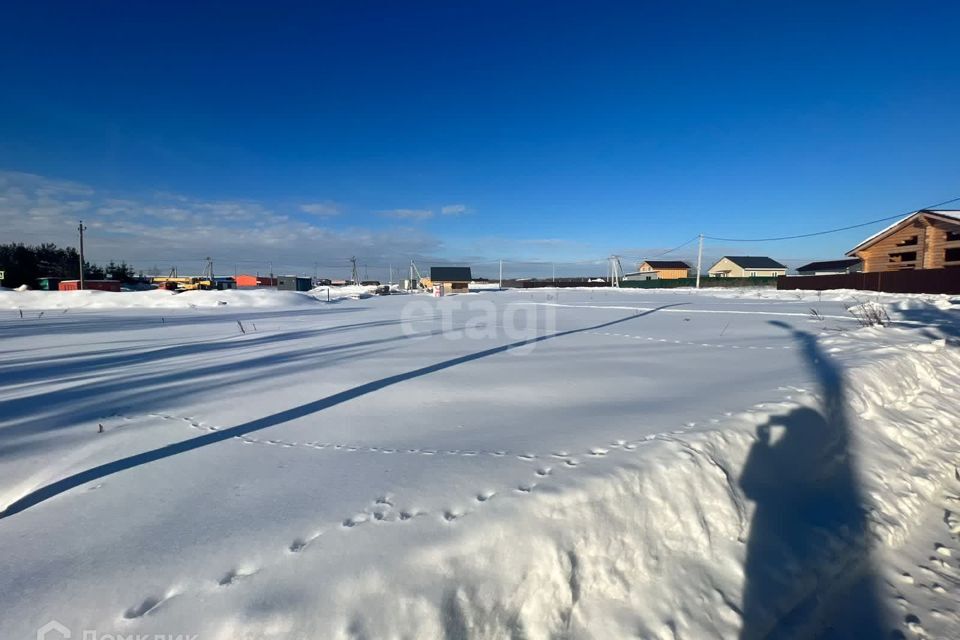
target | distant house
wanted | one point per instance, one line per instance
(665, 269)
(453, 279)
(831, 267)
(924, 239)
(747, 267)
(255, 281)
(640, 276)
(294, 283)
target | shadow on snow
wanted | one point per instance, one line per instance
(810, 519)
(56, 488)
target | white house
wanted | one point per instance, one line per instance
(747, 267)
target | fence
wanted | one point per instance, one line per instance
(704, 282)
(559, 282)
(946, 280)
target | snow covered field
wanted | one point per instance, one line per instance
(546, 464)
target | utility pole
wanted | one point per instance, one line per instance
(81, 229)
(553, 269)
(699, 259)
(500, 283)
(208, 272)
(616, 271)
(353, 271)
(391, 274)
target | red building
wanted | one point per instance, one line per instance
(96, 285)
(255, 281)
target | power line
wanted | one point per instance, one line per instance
(693, 239)
(821, 233)
(662, 253)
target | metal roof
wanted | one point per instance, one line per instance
(754, 262)
(829, 265)
(450, 274)
(667, 264)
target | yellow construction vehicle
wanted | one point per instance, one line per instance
(173, 282)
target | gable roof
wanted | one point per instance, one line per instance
(754, 262)
(667, 264)
(950, 215)
(450, 274)
(829, 265)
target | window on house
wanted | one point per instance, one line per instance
(952, 255)
(903, 256)
(953, 236)
(908, 242)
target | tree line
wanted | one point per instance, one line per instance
(24, 264)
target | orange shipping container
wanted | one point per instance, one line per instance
(96, 285)
(255, 281)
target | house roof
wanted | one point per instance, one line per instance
(950, 215)
(829, 265)
(450, 274)
(667, 264)
(754, 262)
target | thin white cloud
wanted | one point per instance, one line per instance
(166, 229)
(453, 209)
(407, 214)
(323, 209)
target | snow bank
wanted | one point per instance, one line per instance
(850, 296)
(658, 544)
(153, 299)
(351, 292)
(741, 505)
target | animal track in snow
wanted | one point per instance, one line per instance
(353, 521)
(914, 626)
(299, 544)
(686, 342)
(233, 575)
(148, 605)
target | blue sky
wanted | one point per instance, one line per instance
(471, 131)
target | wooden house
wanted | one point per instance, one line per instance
(923, 240)
(453, 279)
(747, 267)
(665, 269)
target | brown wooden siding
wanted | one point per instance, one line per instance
(671, 274)
(920, 244)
